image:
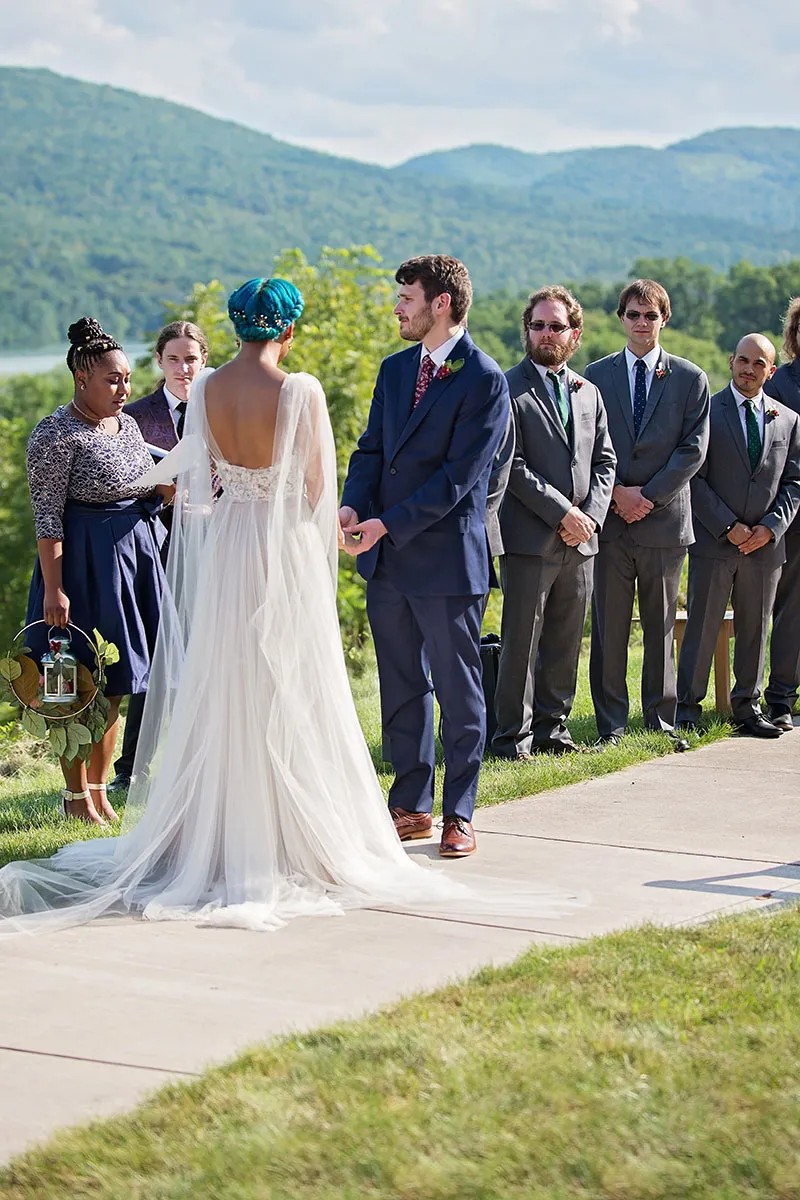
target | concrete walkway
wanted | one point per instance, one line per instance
(93, 1019)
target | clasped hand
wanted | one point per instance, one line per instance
(575, 527)
(356, 537)
(747, 539)
(630, 504)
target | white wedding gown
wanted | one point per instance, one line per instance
(255, 799)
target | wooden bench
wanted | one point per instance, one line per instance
(722, 658)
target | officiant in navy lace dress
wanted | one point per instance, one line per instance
(98, 540)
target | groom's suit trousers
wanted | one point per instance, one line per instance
(425, 644)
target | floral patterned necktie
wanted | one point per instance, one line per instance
(753, 434)
(423, 379)
(639, 394)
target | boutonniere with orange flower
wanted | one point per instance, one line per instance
(449, 367)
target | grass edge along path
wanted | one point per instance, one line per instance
(654, 1063)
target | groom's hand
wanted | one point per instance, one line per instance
(368, 533)
(348, 519)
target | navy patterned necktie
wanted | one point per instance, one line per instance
(180, 409)
(753, 434)
(423, 379)
(639, 394)
(562, 404)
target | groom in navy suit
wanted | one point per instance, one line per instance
(414, 510)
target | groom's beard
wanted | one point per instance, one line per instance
(551, 356)
(415, 328)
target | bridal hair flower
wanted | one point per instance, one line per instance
(575, 384)
(662, 371)
(449, 367)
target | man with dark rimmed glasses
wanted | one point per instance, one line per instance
(658, 408)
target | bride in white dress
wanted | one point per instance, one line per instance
(255, 799)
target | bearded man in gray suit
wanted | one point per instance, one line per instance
(744, 498)
(657, 407)
(559, 490)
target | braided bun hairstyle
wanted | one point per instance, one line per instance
(88, 343)
(263, 309)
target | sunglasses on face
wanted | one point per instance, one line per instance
(553, 326)
(632, 315)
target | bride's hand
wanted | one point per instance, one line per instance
(166, 491)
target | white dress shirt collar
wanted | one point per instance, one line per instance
(650, 360)
(758, 400)
(443, 352)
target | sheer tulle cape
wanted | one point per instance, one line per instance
(255, 799)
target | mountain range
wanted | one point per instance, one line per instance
(112, 203)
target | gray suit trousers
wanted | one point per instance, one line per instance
(623, 567)
(544, 609)
(750, 585)
(784, 646)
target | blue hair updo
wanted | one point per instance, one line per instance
(263, 309)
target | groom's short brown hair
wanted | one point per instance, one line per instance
(438, 273)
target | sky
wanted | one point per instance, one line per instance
(383, 82)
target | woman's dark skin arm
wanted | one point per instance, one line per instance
(56, 601)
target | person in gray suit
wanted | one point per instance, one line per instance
(558, 494)
(784, 646)
(657, 407)
(744, 498)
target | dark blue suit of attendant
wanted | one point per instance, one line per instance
(425, 474)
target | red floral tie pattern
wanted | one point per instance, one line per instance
(425, 375)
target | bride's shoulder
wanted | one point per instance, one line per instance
(302, 384)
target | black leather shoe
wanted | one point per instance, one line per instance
(781, 717)
(609, 739)
(688, 727)
(120, 783)
(679, 744)
(758, 726)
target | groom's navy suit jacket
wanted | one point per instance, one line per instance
(425, 472)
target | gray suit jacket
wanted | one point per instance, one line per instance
(498, 482)
(548, 474)
(670, 447)
(725, 488)
(785, 386)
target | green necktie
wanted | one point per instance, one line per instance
(753, 434)
(562, 404)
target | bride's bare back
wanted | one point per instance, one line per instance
(242, 410)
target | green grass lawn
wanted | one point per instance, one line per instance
(31, 824)
(650, 1065)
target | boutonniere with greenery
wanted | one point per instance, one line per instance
(576, 384)
(662, 371)
(449, 367)
(770, 413)
(71, 729)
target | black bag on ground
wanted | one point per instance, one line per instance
(490, 659)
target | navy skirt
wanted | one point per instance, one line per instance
(114, 579)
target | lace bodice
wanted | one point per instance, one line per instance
(70, 460)
(248, 484)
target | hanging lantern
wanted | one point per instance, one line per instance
(59, 671)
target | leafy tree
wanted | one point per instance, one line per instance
(692, 290)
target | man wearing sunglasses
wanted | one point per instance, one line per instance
(658, 408)
(558, 494)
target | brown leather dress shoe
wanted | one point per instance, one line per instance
(458, 838)
(411, 825)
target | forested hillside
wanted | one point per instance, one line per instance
(114, 203)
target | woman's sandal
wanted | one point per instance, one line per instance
(106, 810)
(91, 815)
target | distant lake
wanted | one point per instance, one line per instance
(36, 362)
